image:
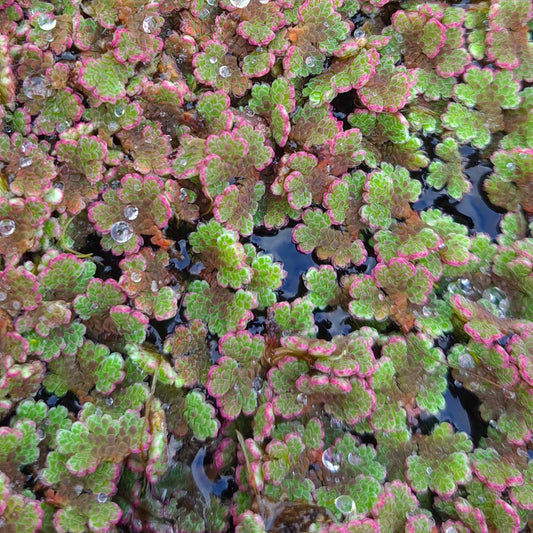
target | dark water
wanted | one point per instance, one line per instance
(280, 245)
(474, 210)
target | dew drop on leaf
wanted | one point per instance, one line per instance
(301, 398)
(36, 86)
(429, 470)
(131, 212)
(154, 286)
(465, 360)
(136, 277)
(465, 285)
(353, 459)
(330, 460)
(239, 3)
(62, 126)
(451, 529)
(149, 25)
(510, 166)
(121, 232)
(119, 110)
(263, 1)
(24, 162)
(101, 497)
(211, 2)
(108, 401)
(213, 60)
(15, 304)
(46, 23)
(7, 227)
(257, 384)
(78, 489)
(358, 34)
(345, 504)
(25, 146)
(224, 72)
(203, 14)
(3, 296)
(310, 61)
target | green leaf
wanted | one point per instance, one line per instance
(200, 416)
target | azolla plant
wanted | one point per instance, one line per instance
(157, 374)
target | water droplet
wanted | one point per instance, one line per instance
(310, 61)
(119, 110)
(249, 111)
(149, 24)
(451, 529)
(358, 34)
(36, 86)
(465, 360)
(26, 146)
(429, 470)
(15, 304)
(204, 13)
(24, 162)
(425, 311)
(465, 285)
(302, 398)
(183, 194)
(257, 384)
(521, 452)
(48, 37)
(345, 504)
(331, 460)
(503, 307)
(101, 497)
(136, 277)
(335, 423)
(211, 2)
(509, 394)
(131, 212)
(510, 166)
(239, 3)
(108, 401)
(381, 297)
(213, 60)
(7, 227)
(3, 296)
(224, 72)
(354, 459)
(78, 489)
(154, 286)
(121, 232)
(46, 23)
(326, 25)
(62, 126)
